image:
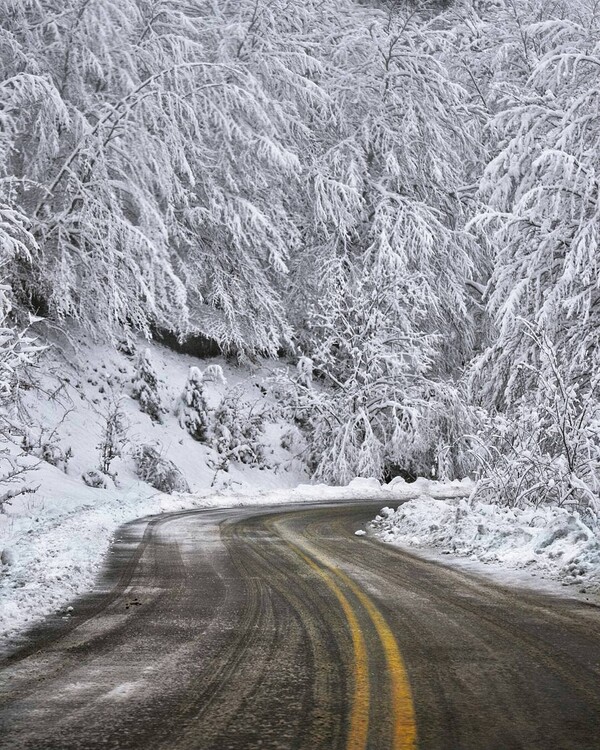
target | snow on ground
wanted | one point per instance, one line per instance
(55, 551)
(55, 546)
(515, 545)
(78, 383)
(53, 540)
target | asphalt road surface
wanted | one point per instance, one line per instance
(279, 628)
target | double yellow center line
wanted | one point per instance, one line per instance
(404, 728)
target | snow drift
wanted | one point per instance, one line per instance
(550, 541)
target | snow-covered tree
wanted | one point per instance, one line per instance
(114, 435)
(539, 220)
(152, 163)
(381, 192)
(543, 214)
(18, 351)
(547, 448)
(192, 408)
(388, 318)
(146, 388)
(153, 467)
(375, 408)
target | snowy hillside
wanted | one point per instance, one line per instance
(76, 387)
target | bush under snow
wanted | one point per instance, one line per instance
(158, 471)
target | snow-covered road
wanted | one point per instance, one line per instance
(280, 628)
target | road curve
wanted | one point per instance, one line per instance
(280, 629)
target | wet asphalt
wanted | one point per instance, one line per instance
(278, 628)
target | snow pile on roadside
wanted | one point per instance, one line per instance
(54, 549)
(361, 489)
(550, 541)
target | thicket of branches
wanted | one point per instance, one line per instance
(402, 196)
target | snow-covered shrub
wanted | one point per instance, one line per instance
(192, 409)
(146, 388)
(7, 557)
(304, 371)
(15, 472)
(94, 479)
(56, 455)
(45, 444)
(158, 471)
(294, 441)
(238, 430)
(125, 344)
(213, 374)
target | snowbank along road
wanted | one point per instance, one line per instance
(279, 628)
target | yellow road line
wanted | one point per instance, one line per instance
(405, 725)
(404, 736)
(358, 732)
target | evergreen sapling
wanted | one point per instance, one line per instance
(146, 388)
(192, 409)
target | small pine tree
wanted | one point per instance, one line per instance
(145, 387)
(192, 408)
